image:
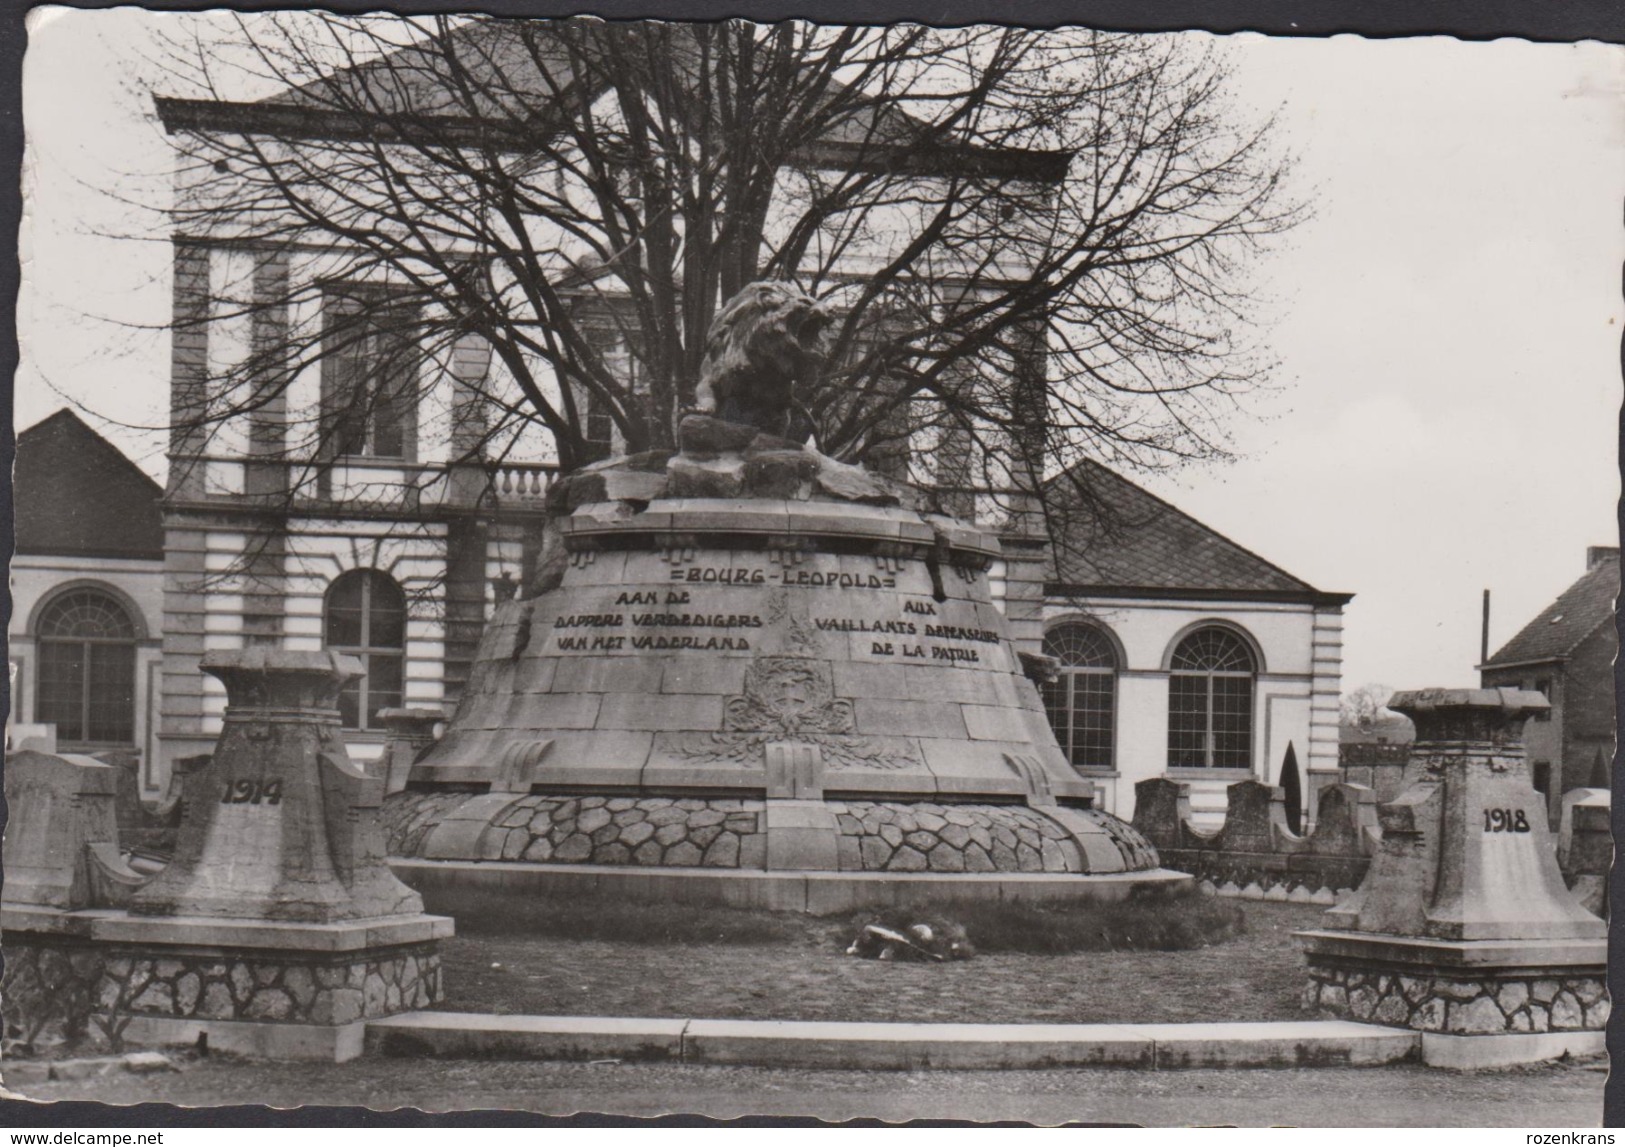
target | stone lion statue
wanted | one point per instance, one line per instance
(764, 341)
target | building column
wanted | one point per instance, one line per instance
(189, 369)
(467, 538)
(265, 473)
(1024, 563)
(1321, 765)
(181, 731)
(470, 364)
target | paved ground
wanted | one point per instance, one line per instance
(1553, 1096)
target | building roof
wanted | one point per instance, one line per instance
(1558, 630)
(1113, 536)
(412, 88)
(77, 495)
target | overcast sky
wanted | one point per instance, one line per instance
(1448, 322)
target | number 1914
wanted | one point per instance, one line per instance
(1505, 820)
(252, 792)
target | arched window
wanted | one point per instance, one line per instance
(1082, 703)
(366, 618)
(87, 669)
(1210, 702)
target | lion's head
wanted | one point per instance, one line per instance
(763, 342)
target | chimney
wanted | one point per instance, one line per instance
(1596, 555)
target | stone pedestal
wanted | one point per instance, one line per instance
(60, 807)
(1463, 926)
(278, 928)
(408, 734)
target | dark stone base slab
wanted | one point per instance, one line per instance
(446, 886)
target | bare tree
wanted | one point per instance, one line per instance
(1360, 707)
(1037, 241)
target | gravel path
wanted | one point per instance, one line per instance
(1255, 976)
(1551, 1096)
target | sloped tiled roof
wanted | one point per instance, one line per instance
(415, 82)
(1111, 533)
(77, 495)
(416, 78)
(526, 66)
(1559, 628)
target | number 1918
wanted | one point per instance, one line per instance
(1505, 820)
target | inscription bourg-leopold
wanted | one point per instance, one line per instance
(715, 575)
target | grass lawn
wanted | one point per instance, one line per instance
(794, 968)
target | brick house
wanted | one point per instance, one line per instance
(1567, 652)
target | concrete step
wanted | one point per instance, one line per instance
(890, 1046)
(456, 1035)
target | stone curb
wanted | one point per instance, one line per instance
(41, 1071)
(444, 883)
(894, 1046)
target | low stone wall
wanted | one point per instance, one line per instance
(1585, 847)
(49, 994)
(147, 826)
(1254, 854)
(57, 991)
(872, 836)
(1459, 1006)
(1378, 766)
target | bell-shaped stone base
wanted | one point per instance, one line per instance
(780, 682)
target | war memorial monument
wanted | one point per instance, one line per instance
(744, 674)
(751, 660)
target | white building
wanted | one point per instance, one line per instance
(1186, 655)
(87, 593)
(387, 528)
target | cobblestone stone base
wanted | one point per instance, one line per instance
(883, 837)
(1491, 1005)
(57, 991)
(647, 831)
(873, 836)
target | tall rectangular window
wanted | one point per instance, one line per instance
(1543, 686)
(87, 669)
(1210, 702)
(620, 360)
(1081, 702)
(370, 375)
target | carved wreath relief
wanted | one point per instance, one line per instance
(788, 695)
(790, 698)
